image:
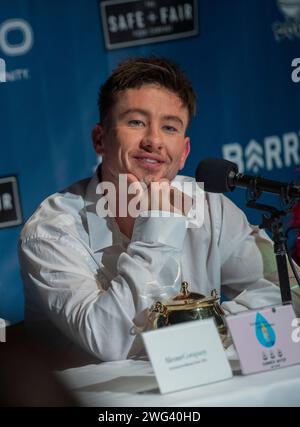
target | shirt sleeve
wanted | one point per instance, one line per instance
(242, 272)
(60, 278)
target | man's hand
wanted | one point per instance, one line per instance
(159, 195)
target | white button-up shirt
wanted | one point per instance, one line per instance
(84, 276)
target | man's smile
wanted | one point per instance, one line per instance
(149, 160)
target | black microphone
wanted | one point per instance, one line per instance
(221, 175)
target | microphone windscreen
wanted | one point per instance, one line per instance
(214, 173)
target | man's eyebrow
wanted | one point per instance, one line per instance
(174, 118)
(145, 113)
(134, 110)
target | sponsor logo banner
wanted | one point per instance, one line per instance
(274, 152)
(290, 28)
(289, 8)
(135, 22)
(16, 40)
(10, 208)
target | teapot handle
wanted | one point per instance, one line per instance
(161, 312)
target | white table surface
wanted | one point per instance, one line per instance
(132, 383)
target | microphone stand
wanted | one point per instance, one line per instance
(273, 223)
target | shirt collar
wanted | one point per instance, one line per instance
(181, 183)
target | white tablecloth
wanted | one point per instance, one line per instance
(132, 383)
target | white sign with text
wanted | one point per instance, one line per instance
(265, 339)
(187, 355)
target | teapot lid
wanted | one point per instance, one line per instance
(190, 298)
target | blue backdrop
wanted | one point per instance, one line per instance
(55, 55)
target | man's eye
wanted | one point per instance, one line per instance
(136, 123)
(170, 129)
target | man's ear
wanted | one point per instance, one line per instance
(97, 137)
(185, 153)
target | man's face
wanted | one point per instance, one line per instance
(145, 136)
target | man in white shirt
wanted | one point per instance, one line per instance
(91, 278)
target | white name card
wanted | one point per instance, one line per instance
(187, 355)
(264, 339)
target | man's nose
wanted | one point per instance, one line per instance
(152, 138)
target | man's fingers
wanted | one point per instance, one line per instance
(131, 178)
(159, 195)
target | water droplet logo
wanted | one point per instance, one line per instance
(264, 331)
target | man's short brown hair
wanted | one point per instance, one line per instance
(136, 72)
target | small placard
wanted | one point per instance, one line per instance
(10, 208)
(2, 330)
(264, 339)
(187, 355)
(134, 22)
